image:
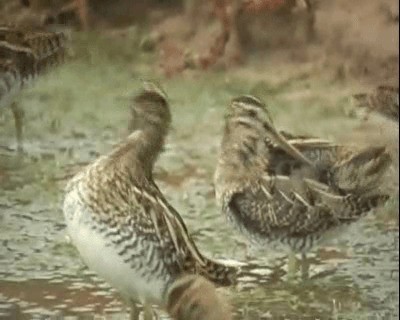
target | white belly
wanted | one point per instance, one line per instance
(101, 256)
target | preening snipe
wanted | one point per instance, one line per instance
(277, 188)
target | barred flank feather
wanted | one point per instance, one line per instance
(194, 298)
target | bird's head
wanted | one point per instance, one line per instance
(150, 109)
(249, 116)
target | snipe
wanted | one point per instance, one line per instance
(384, 100)
(24, 55)
(277, 188)
(121, 223)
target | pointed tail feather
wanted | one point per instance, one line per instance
(361, 173)
(354, 207)
(219, 273)
(371, 202)
(347, 207)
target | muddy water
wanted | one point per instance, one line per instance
(78, 112)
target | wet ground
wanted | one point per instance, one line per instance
(80, 110)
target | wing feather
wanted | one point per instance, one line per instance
(169, 217)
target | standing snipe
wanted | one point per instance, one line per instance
(25, 54)
(277, 188)
(120, 222)
(384, 100)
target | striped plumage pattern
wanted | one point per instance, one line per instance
(384, 100)
(138, 241)
(24, 55)
(275, 196)
(192, 297)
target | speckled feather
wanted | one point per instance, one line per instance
(271, 195)
(192, 297)
(384, 100)
(118, 199)
(122, 201)
(25, 54)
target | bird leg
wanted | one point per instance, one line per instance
(18, 118)
(292, 265)
(134, 312)
(305, 266)
(247, 251)
(147, 312)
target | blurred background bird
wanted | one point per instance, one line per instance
(25, 54)
(384, 100)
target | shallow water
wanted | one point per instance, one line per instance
(79, 111)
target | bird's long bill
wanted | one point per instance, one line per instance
(287, 147)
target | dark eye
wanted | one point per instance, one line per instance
(252, 113)
(266, 126)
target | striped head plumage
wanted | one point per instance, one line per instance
(151, 119)
(244, 133)
(252, 108)
(248, 129)
(150, 109)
